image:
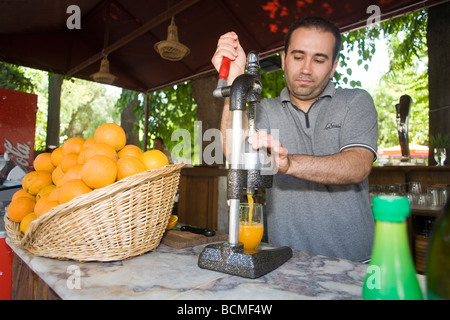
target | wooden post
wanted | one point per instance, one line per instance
(438, 40)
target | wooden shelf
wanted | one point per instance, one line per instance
(427, 211)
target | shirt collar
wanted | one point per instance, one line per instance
(328, 91)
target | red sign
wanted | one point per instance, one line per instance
(18, 125)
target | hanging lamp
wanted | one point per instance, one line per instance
(171, 49)
(104, 76)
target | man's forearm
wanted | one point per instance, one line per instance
(347, 167)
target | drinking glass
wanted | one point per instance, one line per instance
(251, 227)
(443, 195)
(434, 193)
(440, 154)
(415, 187)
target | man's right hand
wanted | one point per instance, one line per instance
(229, 46)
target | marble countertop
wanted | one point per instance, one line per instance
(169, 273)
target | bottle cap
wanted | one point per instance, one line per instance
(390, 208)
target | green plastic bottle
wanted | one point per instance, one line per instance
(438, 262)
(391, 274)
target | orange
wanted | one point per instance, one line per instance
(72, 145)
(128, 166)
(172, 222)
(54, 194)
(34, 181)
(56, 156)
(130, 150)
(112, 134)
(46, 208)
(99, 171)
(100, 148)
(153, 159)
(45, 190)
(72, 189)
(89, 142)
(81, 159)
(72, 173)
(68, 161)
(19, 208)
(40, 204)
(57, 176)
(26, 180)
(22, 193)
(26, 221)
(43, 162)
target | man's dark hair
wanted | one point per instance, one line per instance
(318, 23)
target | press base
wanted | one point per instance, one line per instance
(235, 260)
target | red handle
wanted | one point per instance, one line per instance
(224, 68)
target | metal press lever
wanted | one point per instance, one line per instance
(222, 89)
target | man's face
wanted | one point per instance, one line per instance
(308, 64)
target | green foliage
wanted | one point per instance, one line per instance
(84, 107)
(13, 78)
(408, 56)
(272, 83)
(387, 94)
(362, 41)
(168, 109)
(440, 141)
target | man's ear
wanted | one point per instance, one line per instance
(334, 68)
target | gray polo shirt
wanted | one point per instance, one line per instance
(333, 220)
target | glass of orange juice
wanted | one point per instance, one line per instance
(251, 225)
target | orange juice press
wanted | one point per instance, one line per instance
(249, 170)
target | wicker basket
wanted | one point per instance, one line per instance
(122, 220)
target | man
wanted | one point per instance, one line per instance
(319, 201)
(158, 143)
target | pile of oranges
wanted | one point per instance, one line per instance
(77, 167)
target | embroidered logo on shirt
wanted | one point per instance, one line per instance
(332, 126)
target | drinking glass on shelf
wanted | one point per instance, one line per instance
(415, 187)
(443, 195)
(251, 227)
(434, 194)
(423, 200)
(440, 154)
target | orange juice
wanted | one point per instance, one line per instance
(250, 234)
(250, 205)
